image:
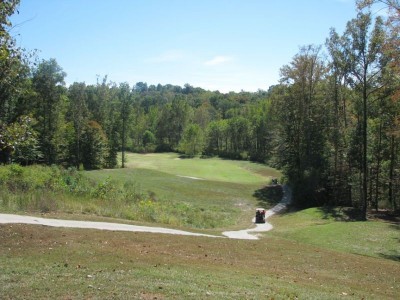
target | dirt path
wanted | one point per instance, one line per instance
(241, 234)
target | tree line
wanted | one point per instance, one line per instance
(331, 123)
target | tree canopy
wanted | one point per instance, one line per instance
(331, 123)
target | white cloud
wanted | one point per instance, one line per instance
(218, 60)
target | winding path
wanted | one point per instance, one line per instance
(241, 234)
(251, 233)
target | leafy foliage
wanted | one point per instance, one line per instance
(331, 124)
(19, 141)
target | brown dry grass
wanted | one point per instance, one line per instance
(38, 262)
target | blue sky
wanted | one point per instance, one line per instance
(225, 45)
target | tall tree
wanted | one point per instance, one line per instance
(14, 69)
(48, 83)
(78, 114)
(125, 99)
(239, 135)
(302, 117)
(392, 51)
(338, 103)
(363, 50)
(217, 137)
(192, 142)
(172, 122)
(95, 145)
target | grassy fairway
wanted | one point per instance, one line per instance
(200, 193)
(212, 169)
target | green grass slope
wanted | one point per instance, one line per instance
(155, 188)
(308, 254)
(211, 169)
(313, 226)
(199, 193)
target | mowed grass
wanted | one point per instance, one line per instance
(53, 263)
(315, 227)
(212, 169)
(206, 193)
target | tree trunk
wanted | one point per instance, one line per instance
(123, 143)
(391, 172)
(378, 167)
(364, 155)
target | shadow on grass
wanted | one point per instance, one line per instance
(186, 156)
(347, 214)
(270, 194)
(392, 217)
(392, 256)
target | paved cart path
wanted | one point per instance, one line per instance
(251, 233)
(247, 234)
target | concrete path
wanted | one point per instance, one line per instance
(251, 233)
(247, 234)
(8, 218)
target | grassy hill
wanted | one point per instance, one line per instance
(56, 263)
(199, 193)
(308, 255)
(316, 227)
(154, 188)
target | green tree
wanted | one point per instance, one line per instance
(14, 69)
(172, 122)
(78, 115)
(303, 125)
(103, 107)
(338, 94)
(217, 137)
(192, 142)
(263, 131)
(125, 100)
(391, 49)
(149, 139)
(363, 50)
(95, 145)
(238, 135)
(48, 83)
(19, 142)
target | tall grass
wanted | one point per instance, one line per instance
(39, 188)
(42, 189)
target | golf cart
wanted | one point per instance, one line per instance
(260, 215)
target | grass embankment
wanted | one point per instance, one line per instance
(154, 188)
(319, 227)
(55, 263)
(308, 255)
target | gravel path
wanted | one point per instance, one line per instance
(247, 234)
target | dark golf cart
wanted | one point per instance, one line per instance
(260, 215)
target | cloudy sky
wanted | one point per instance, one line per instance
(225, 45)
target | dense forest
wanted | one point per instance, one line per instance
(331, 123)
